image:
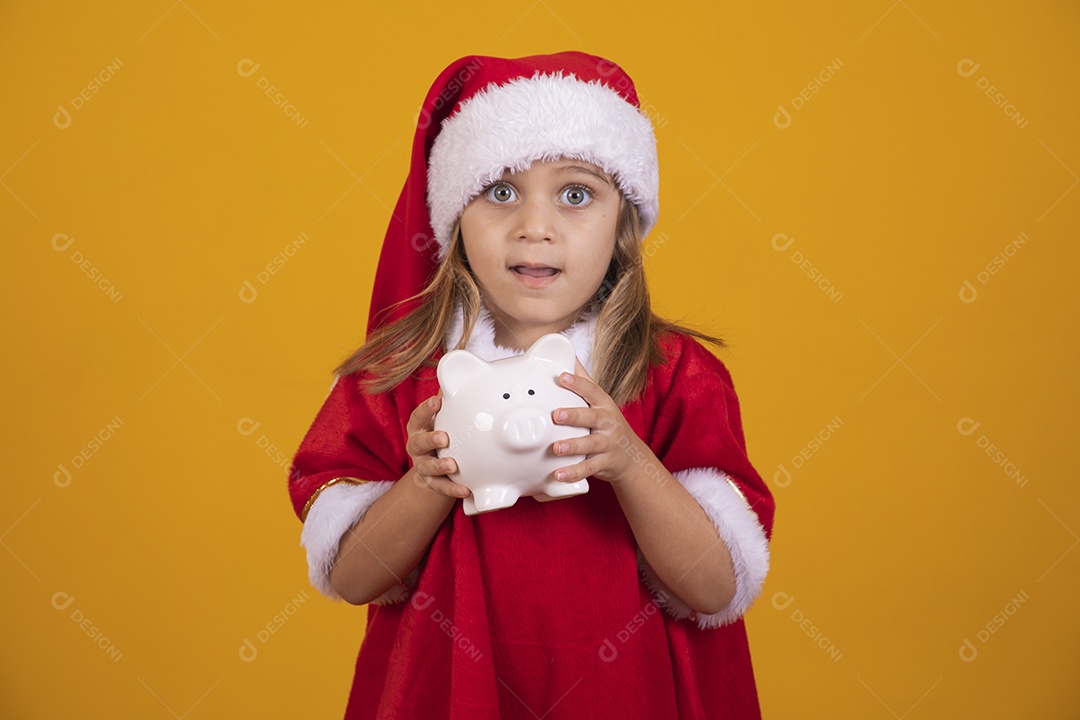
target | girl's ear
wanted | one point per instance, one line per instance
(556, 348)
(456, 368)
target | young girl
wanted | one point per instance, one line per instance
(532, 183)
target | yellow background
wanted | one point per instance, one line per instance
(897, 541)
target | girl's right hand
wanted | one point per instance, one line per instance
(429, 469)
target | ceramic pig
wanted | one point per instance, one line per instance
(498, 418)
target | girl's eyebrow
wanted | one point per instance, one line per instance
(579, 168)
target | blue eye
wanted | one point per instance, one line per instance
(501, 193)
(577, 195)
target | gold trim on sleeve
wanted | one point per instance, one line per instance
(315, 495)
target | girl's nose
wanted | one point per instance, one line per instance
(536, 220)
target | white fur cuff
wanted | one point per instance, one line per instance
(337, 509)
(738, 527)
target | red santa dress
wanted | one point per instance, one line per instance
(545, 610)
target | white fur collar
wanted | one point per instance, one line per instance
(482, 342)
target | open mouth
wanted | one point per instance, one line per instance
(535, 277)
(538, 271)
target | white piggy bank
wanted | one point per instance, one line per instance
(498, 418)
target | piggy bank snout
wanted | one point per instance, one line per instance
(525, 428)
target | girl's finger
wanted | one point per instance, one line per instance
(584, 469)
(580, 385)
(584, 417)
(421, 444)
(429, 468)
(449, 488)
(421, 417)
(435, 467)
(590, 444)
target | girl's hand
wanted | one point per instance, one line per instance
(612, 446)
(430, 469)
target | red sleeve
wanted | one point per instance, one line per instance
(354, 435)
(698, 423)
(696, 433)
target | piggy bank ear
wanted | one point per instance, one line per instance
(456, 368)
(557, 349)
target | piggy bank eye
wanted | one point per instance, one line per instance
(532, 392)
(506, 396)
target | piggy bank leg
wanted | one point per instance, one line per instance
(553, 490)
(488, 499)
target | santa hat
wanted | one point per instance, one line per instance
(484, 115)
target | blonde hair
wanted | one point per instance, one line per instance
(625, 343)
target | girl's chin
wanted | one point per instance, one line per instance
(521, 329)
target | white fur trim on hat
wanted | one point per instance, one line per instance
(742, 533)
(544, 117)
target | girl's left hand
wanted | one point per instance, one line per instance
(612, 447)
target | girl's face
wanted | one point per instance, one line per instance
(539, 243)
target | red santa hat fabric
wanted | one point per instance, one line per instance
(485, 115)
